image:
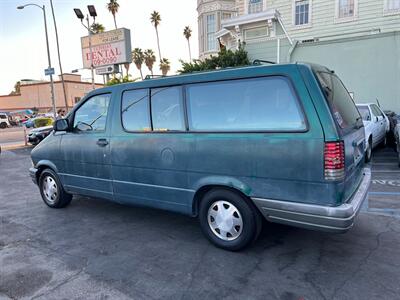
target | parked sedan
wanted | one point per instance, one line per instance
(36, 135)
(376, 126)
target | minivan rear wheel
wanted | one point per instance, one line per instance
(52, 191)
(228, 220)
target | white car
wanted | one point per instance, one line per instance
(4, 122)
(376, 125)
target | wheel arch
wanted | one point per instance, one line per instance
(45, 164)
(203, 190)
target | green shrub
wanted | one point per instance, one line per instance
(41, 122)
(224, 59)
(118, 80)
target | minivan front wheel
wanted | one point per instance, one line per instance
(52, 191)
(228, 220)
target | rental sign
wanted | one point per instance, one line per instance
(108, 48)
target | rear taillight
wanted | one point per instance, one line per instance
(334, 160)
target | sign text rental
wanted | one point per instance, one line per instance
(108, 48)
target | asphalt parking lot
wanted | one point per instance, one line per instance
(12, 136)
(99, 250)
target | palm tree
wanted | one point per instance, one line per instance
(127, 66)
(97, 28)
(155, 20)
(187, 32)
(149, 59)
(113, 7)
(165, 66)
(138, 59)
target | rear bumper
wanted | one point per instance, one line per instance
(33, 172)
(324, 218)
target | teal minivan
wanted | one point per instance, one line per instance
(284, 142)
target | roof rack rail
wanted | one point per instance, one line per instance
(261, 61)
(154, 76)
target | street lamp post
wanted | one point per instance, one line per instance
(43, 8)
(93, 13)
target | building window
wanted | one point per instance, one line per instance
(301, 12)
(392, 6)
(346, 8)
(255, 6)
(226, 16)
(77, 99)
(211, 28)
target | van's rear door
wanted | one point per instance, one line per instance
(349, 126)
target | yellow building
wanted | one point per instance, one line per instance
(37, 94)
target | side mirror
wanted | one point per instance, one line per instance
(368, 118)
(61, 125)
(376, 119)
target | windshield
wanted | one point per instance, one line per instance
(364, 112)
(340, 102)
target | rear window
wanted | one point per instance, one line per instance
(364, 112)
(340, 102)
(262, 104)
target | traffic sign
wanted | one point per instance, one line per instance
(49, 71)
(107, 70)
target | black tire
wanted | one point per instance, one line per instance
(3, 125)
(368, 151)
(249, 215)
(60, 199)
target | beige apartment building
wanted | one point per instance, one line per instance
(37, 94)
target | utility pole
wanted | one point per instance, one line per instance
(43, 8)
(93, 13)
(59, 57)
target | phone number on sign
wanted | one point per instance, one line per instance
(105, 61)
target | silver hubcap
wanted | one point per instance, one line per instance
(50, 189)
(225, 220)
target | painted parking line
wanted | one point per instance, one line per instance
(389, 182)
(384, 193)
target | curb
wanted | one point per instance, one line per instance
(14, 147)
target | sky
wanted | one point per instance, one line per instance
(23, 46)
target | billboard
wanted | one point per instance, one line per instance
(108, 48)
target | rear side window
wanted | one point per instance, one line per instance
(364, 112)
(340, 102)
(135, 110)
(376, 111)
(167, 109)
(262, 104)
(3, 117)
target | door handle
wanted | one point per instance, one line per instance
(102, 142)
